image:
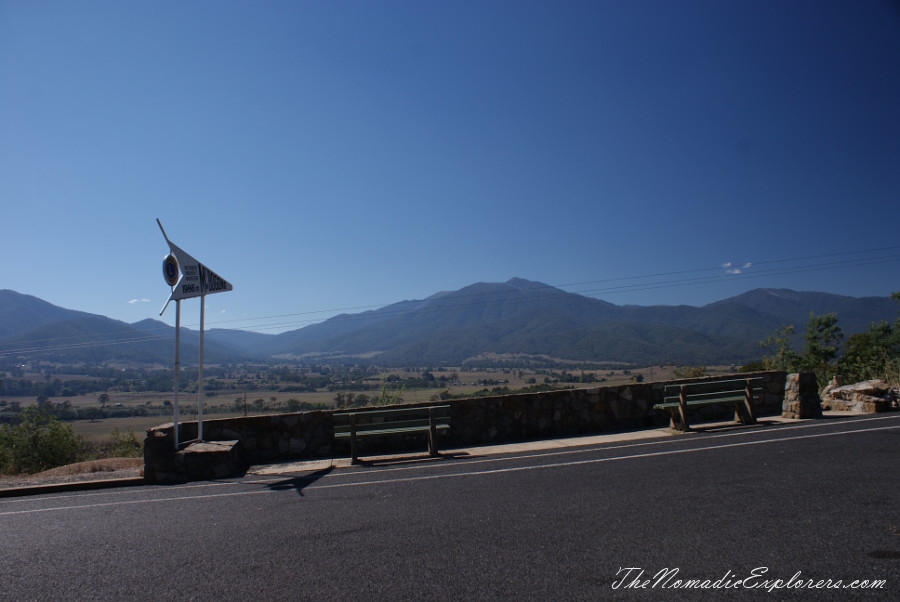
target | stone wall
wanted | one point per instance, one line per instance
(585, 411)
(481, 421)
(801, 396)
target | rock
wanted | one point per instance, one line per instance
(835, 382)
(870, 396)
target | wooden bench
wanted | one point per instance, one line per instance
(371, 422)
(740, 392)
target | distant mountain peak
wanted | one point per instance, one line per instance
(781, 293)
(523, 283)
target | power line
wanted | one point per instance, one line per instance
(83, 344)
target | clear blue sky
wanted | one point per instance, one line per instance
(332, 155)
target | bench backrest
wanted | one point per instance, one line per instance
(709, 390)
(394, 417)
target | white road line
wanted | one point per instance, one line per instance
(132, 502)
(106, 493)
(314, 486)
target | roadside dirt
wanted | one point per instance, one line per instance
(93, 470)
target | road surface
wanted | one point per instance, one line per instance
(742, 512)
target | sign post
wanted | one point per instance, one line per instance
(196, 280)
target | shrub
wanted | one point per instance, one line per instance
(125, 445)
(38, 443)
(872, 354)
(753, 367)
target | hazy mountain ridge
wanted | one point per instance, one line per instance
(54, 333)
(514, 318)
(21, 313)
(793, 307)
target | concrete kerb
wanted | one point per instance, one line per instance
(70, 486)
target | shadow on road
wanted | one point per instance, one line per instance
(298, 483)
(721, 427)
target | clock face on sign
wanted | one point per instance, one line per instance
(170, 270)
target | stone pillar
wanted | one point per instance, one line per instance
(801, 396)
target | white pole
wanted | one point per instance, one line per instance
(200, 373)
(177, 366)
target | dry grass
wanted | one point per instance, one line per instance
(93, 470)
(99, 430)
(93, 466)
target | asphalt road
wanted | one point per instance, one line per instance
(741, 508)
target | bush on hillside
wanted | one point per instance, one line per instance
(37, 443)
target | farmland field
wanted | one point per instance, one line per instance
(220, 401)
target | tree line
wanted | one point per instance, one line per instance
(873, 354)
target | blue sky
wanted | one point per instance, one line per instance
(323, 156)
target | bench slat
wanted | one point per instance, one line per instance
(700, 398)
(713, 386)
(701, 402)
(369, 415)
(391, 431)
(392, 410)
(365, 427)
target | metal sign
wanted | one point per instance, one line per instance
(196, 279)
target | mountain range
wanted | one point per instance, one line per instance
(485, 323)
